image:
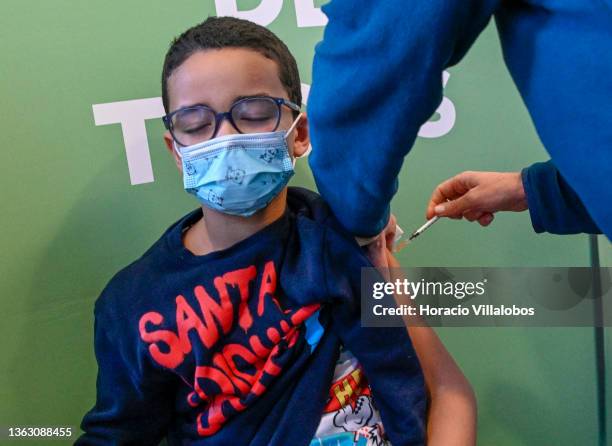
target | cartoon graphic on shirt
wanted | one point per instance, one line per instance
(373, 436)
(243, 357)
(350, 417)
(366, 436)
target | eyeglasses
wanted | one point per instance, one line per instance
(198, 123)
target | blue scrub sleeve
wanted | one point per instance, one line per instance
(553, 205)
(377, 77)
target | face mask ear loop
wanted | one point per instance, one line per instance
(176, 149)
(295, 123)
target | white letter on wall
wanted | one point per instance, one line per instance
(446, 110)
(131, 115)
(308, 15)
(264, 14)
(305, 93)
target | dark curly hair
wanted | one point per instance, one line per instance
(230, 32)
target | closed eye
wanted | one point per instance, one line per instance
(255, 118)
(197, 129)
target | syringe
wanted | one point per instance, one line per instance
(422, 229)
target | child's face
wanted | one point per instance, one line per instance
(218, 78)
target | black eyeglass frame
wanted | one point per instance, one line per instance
(219, 117)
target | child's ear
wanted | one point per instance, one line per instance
(302, 137)
(169, 141)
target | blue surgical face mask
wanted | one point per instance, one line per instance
(238, 174)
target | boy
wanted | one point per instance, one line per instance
(228, 329)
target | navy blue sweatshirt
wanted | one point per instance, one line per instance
(238, 347)
(385, 61)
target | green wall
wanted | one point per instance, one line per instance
(605, 259)
(71, 218)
